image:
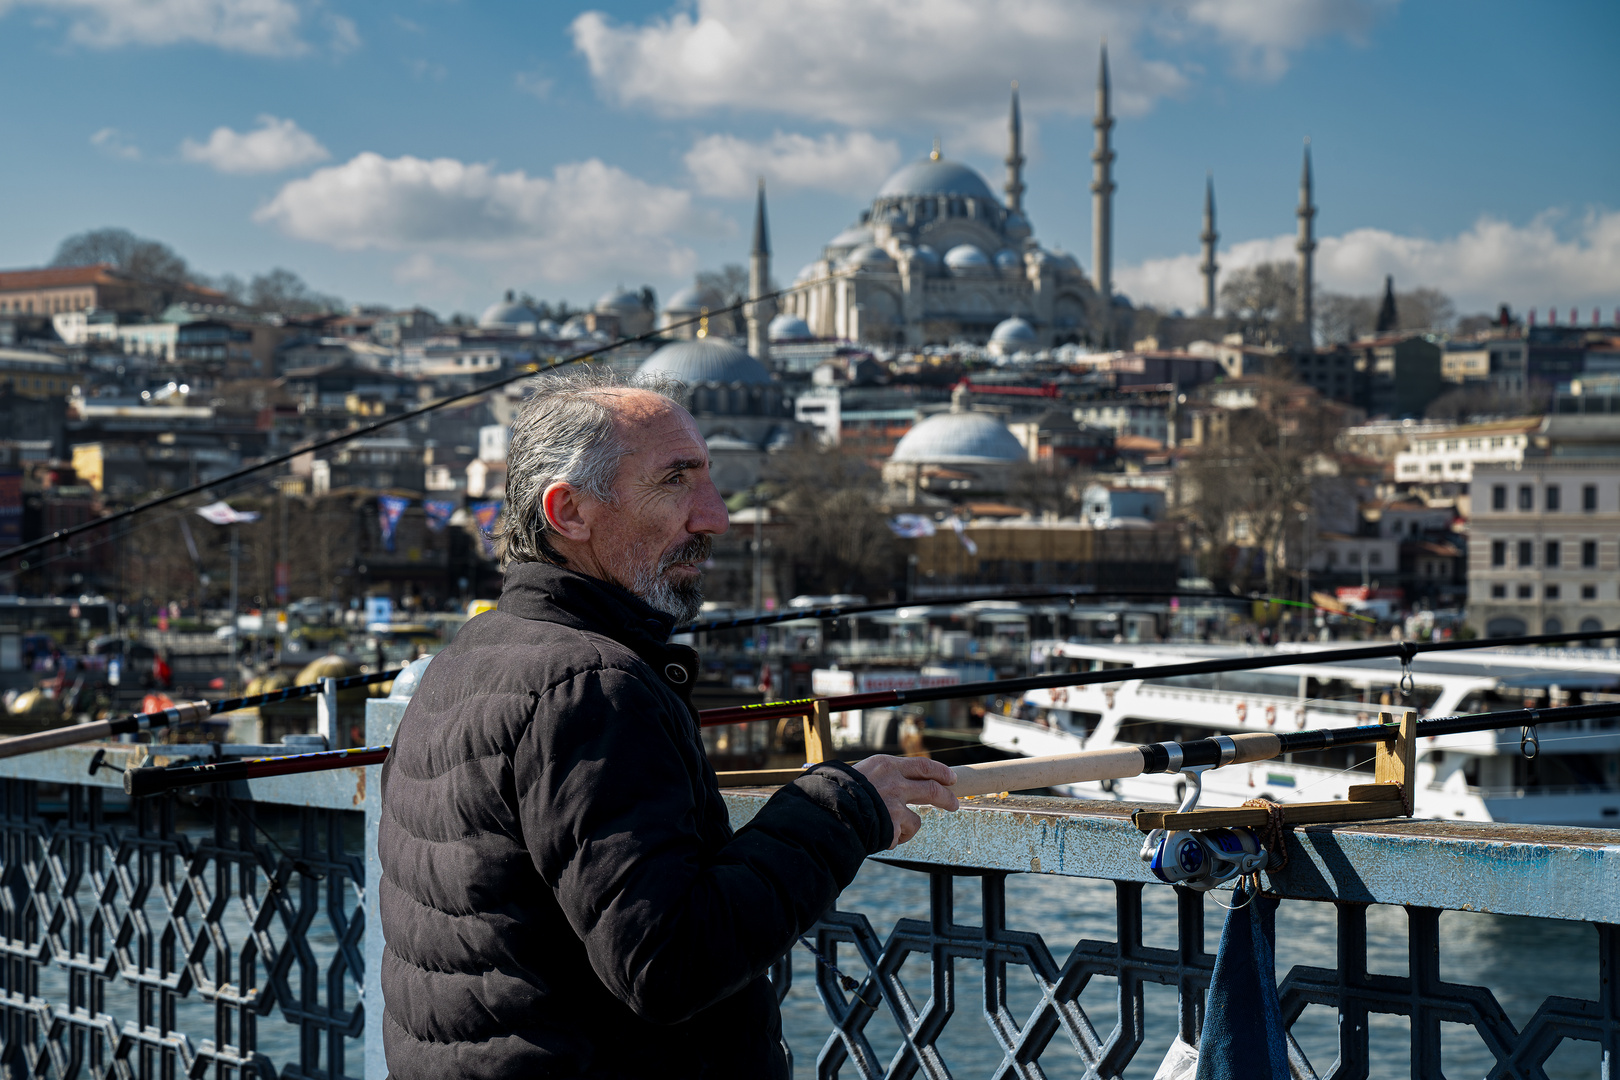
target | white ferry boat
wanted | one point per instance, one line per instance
(1574, 779)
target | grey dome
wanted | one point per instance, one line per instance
(871, 257)
(966, 258)
(693, 299)
(705, 360)
(852, 237)
(960, 438)
(1013, 331)
(1008, 259)
(787, 327)
(619, 300)
(929, 259)
(810, 272)
(933, 176)
(506, 313)
(574, 328)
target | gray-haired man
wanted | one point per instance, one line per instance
(562, 894)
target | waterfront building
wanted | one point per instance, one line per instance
(1544, 545)
(1441, 460)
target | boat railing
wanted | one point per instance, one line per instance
(233, 931)
(1332, 711)
(1539, 792)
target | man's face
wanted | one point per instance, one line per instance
(655, 536)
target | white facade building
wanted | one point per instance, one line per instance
(1444, 461)
(1544, 547)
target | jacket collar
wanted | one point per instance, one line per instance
(549, 593)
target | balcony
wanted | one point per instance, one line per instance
(227, 935)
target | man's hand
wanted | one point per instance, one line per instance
(905, 782)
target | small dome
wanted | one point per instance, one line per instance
(929, 258)
(619, 301)
(809, 273)
(869, 257)
(787, 327)
(1064, 261)
(966, 259)
(574, 328)
(1013, 332)
(1008, 259)
(960, 438)
(705, 360)
(546, 328)
(693, 299)
(935, 176)
(852, 237)
(506, 314)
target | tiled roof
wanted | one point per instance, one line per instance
(60, 277)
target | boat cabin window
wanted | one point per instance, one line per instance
(1067, 720)
(1236, 682)
(1424, 695)
(1338, 758)
(1133, 730)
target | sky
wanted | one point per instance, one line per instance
(439, 152)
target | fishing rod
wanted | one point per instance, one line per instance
(1071, 594)
(984, 778)
(185, 712)
(365, 429)
(1404, 650)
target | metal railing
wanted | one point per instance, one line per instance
(226, 937)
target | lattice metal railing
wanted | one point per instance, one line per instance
(1105, 1044)
(178, 939)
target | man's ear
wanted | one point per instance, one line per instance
(560, 503)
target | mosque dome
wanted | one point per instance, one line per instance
(935, 176)
(574, 328)
(869, 257)
(929, 258)
(693, 299)
(705, 360)
(852, 237)
(546, 328)
(1008, 259)
(1014, 333)
(810, 272)
(960, 438)
(506, 314)
(967, 259)
(619, 300)
(1064, 261)
(787, 327)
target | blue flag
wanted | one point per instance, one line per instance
(389, 510)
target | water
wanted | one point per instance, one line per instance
(1522, 961)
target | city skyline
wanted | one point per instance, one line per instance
(438, 154)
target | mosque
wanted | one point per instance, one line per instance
(939, 259)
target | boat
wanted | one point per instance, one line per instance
(1573, 777)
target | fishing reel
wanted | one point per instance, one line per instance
(1204, 859)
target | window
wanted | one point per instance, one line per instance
(1498, 592)
(1527, 556)
(1588, 592)
(1527, 497)
(1498, 496)
(1375, 559)
(1554, 554)
(1552, 592)
(1555, 498)
(1589, 498)
(1589, 553)
(1524, 592)
(1498, 552)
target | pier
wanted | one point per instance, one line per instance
(235, 934)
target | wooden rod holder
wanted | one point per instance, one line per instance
(1390, 797)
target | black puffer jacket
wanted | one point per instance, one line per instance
(562, 894)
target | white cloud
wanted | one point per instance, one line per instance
(941, 61)
(586, 218)
(271, 147)
(1492, 262)
(111, 141)
(849, 164)
(260, 27)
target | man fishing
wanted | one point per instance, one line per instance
(562, 894)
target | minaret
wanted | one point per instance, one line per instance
(759, 278)
(1306, 246)
(1015, 158)
(1102, 203)
(1209, 236)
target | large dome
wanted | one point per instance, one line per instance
(694, 299)
(870, 257)
(935, 176)
(619, 300)
(705, 360)
(960, 438)
(967, 259)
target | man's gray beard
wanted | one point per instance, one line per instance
(683, 599)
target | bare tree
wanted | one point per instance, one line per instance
(148, 261)
(284, 292)
(1263, 297)
(839, 540)
(1341, 317)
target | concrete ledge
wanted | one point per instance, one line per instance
(1547, 872)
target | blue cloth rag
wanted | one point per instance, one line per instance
(1244, 1037)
